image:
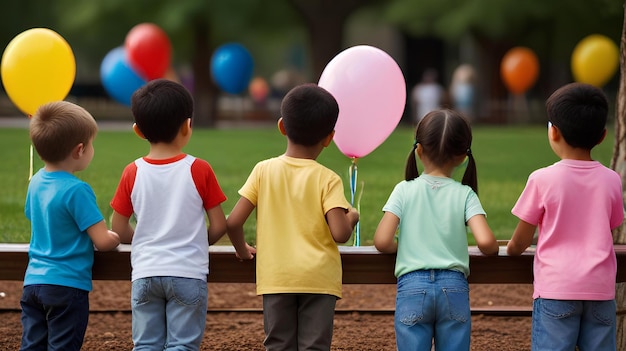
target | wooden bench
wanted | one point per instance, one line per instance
(361, 265)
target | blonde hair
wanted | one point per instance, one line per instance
(57, 127)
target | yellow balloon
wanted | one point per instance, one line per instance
(595, 60)
(37, 67)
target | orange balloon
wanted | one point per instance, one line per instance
(258, 89)
(519, 69)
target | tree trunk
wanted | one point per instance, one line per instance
(619, 165)
(204, 90)
(618, 162)
(492, 94)
(325, 21)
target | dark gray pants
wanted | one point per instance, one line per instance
(298, 322)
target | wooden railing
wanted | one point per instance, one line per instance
(361, 265)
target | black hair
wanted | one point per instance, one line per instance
(444, 135)
(160, 108)
(580, 112)
(309, 114)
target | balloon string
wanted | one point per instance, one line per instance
(358, 208)
(353, 181)
(30, 167)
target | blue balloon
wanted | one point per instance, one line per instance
(118, 78)
(232, 67)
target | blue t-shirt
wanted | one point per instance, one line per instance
(433, 213)
(60, 208)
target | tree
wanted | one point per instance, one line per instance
(195, 27)
(550, 28)
(618, 163)
(18, 16)
(325, 21)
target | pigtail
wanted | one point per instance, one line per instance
(469, 177)
(411, 172)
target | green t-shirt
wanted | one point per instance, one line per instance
(433, 213)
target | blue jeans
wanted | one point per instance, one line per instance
(169, 313)
(54, 317)
(433, 305)
(564, 324)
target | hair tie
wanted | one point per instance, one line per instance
(415, 142)
(469, 152)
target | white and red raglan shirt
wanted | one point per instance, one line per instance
(169, 199)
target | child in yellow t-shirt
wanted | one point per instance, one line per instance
(302, 213)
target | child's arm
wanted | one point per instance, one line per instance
(341, 223)
(103, 239)
(237, 217)
(217, 224)
(521, 239)
(121, 225)
(384, 237)
(485, 240)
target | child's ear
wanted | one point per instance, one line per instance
(281, 126)
(137, 131)
(328, 139)
(77, 151)
(186, 127)
(554, 134)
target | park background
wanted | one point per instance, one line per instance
(291, 42)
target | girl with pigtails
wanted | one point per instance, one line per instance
(425, 221)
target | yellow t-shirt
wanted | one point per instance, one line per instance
(295, 251)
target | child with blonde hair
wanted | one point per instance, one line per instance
(66, 225)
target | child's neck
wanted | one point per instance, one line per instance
(438, 173)
(577, 154)
(435, 171)
(301, 151)
(68, 165)
(566, 152)
(161, 151)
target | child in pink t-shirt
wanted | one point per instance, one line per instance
(575, 202)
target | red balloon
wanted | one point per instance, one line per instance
(519, 69)
(149, 50)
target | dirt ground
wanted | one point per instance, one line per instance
(362, 321)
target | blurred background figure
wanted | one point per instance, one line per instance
(463, 90)
(427, 95)
(284, 80)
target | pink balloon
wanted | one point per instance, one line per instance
(371, 92)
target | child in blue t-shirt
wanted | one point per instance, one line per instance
(66, 224)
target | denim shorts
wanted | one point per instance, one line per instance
(432, 306)
(565, 324)
(168, 312)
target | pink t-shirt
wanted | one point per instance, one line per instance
(575, 204)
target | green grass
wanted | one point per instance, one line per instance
(505, 157)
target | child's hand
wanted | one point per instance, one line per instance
(250, 251)
(353, 216)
